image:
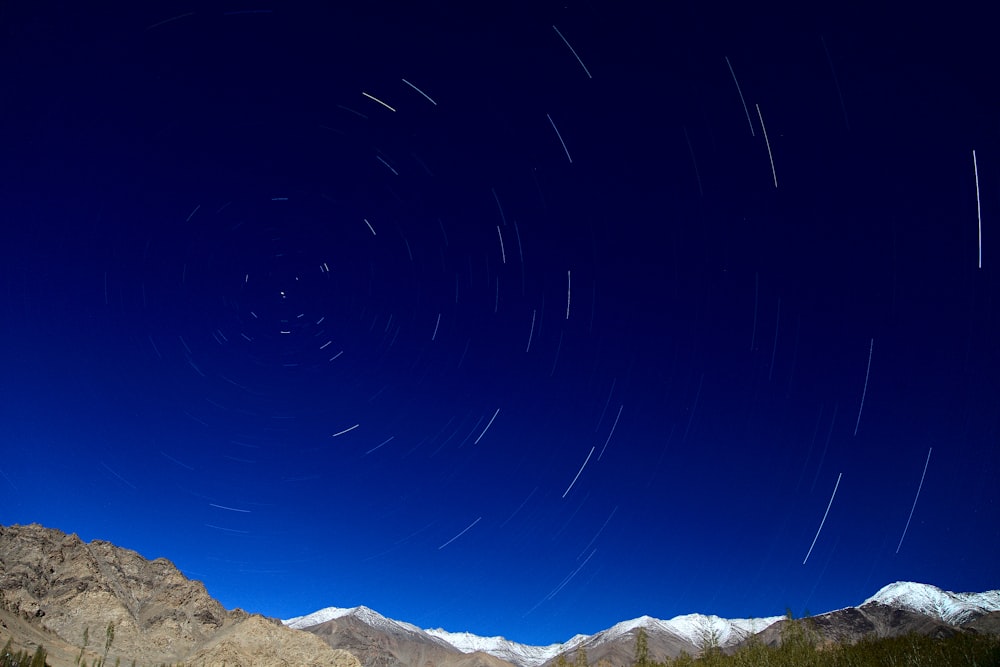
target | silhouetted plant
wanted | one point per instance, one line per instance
(709, 645)
(38, 659)
(8, 658)
(109, 637)
(641, 648)
(86, 640)
(800, 648)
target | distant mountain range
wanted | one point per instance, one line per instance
(56, 589)
(895, 610)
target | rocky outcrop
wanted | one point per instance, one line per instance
(156, 612)
(852, 624)
(259, 641)
(988, 624)
(55, 589)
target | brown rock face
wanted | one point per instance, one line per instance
(156, 612)
(260, 641)
(852, 624)
(988, 624)
(54, 587)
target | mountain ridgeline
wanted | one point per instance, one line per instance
(65, 602)
(916, 624)
(96, 603)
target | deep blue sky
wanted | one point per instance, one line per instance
(180, 183)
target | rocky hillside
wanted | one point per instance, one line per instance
(879, 617)
(57, 590)
(381, 642)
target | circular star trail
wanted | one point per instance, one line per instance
(515, 320)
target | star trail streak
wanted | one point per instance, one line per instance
(823, 521)
(915, 498)
(463, 532)
(579, 472)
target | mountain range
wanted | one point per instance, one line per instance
(896, 609)
(95, 599)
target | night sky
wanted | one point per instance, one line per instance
(514, 318)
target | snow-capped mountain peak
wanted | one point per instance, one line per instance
(317, 617)
(694, 628)
(699, 628)
(625, 627)
(519, 654)
(362, 613)
(690, 631)
(953, 608)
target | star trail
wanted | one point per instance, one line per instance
(443, 309)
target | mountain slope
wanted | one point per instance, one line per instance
(901, 608)
(666, 638)
(54, 588)
(518, 654)
(362, 613)
(383, 642)
(258, 640)
(945, 606)
(345, 628)
(854, 623)
(695, 629)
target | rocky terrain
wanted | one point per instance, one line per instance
(900, 609)
(55, 590)
(377, 640)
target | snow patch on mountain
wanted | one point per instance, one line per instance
(952, 608)
(519, 654)
(694, 628)
(362, 613)
(317, 617)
